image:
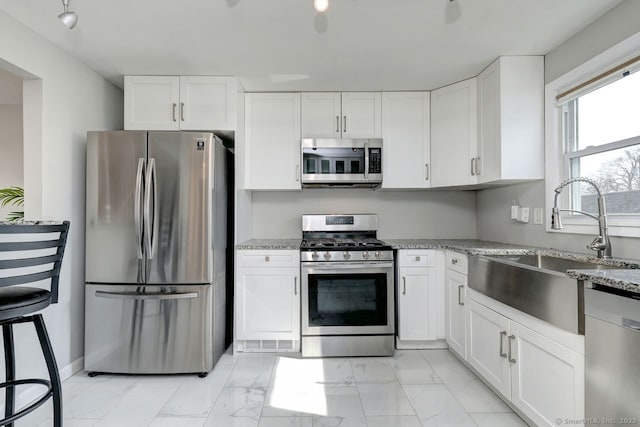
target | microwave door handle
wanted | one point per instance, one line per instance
(366, 160)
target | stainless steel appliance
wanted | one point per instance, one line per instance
(341, 162)
(612, 336)
(347, 287)
(155, 252)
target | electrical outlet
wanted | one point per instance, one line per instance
(524, 215)
(537, 216)
(514, 211)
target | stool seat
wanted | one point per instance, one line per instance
(19, 301)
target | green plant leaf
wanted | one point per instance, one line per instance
(11, 196)
(15, 216)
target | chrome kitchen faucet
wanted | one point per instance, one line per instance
(601, 243)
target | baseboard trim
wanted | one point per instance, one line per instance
(420, 345)
(70, 369)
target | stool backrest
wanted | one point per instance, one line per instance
(13, 240)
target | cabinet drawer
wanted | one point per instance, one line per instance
(268, 258)
(457, 262)
(416, 258)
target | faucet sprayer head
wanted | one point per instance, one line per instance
(556, 223)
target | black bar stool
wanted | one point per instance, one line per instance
(18, 303)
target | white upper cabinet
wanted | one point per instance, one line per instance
(341, 115)
(406, 139)
(511, 120)
(454, 134)
(272, 138)
(179, 103)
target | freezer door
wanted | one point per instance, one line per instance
(148, 329)
(179, 208)
(115, 183)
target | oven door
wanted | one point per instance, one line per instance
(347, 298)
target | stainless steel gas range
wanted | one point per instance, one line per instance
(347, 287)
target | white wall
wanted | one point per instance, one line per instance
(63, 99)
(10, 135)
(493, 205)
(402, 214)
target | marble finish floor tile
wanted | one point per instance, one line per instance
(411, 389)
(384, 399)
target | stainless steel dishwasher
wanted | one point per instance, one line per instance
(612, 335)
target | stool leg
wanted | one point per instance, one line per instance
(10, 369)
(54, 375)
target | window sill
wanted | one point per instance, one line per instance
(616, 228)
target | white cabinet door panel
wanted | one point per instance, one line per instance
(417, 304)
(486, 330)
(268, 304)
(454, 134)
(361, 115)
(547, 378)
(151, 102)
(406, 139)
(321, 115)
(272, 141)
(455, 314)
(207, 103)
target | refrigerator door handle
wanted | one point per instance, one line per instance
(150, 192)
(137, 202)
(149, 296)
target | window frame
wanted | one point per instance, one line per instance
(557, 161)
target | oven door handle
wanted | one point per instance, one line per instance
(345, 265)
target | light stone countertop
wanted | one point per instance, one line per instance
(267, 244)
(627, 279)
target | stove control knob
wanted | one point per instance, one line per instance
(366, 255)
(347, 255)
(379, 255)
(327, 255)
(315, 256)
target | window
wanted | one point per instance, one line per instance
(601, 141)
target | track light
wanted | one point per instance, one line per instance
(70, 19)
(321, 5)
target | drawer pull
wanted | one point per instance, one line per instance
(454, 261)
(267, 258)
(417, 258)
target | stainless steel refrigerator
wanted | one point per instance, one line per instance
(155, 252)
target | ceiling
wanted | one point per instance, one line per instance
(279, 45)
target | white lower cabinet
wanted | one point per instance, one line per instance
(455, 290)
(542, 378)
(420, 295)
(267, 300)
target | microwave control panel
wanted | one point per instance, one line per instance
(375, 160)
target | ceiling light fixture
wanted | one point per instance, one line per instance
(321, 5)
(70, 19)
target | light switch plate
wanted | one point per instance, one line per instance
(515, 211)
(524, 214)
(537, 216)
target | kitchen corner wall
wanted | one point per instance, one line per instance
(11, 149)
(63, 99)
(402, 214)
(493, 221)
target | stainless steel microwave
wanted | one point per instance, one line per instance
(341, 162)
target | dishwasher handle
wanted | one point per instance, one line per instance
(631, 324)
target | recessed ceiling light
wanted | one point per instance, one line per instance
(321, 5)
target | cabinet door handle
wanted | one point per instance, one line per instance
(295, 285)
(297, 172)
(460, 288)
(511, 339)
(337, 124)
(174, 111)
(502, 353)
(473, 169)
(182, 111)
(344, 123)
(426, 165)
(478, 168)
(454, 261)
(404, 285)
